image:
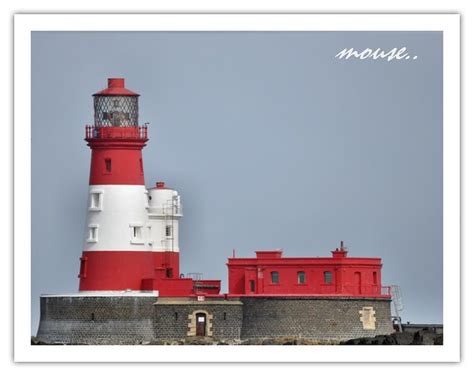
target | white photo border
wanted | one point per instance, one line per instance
(25, 24)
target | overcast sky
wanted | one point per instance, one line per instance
(270, 140)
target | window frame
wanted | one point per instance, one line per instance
(107, 165)
(93, 233)
(277, 274)
(298, 274)
(100, 200)
(328, 281)
(133, 238)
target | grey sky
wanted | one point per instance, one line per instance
(270, 140)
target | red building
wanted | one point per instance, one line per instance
(271, 274)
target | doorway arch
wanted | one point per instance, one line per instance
(200, 324)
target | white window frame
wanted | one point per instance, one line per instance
(93, 234)
(133, 238)
(100, 201)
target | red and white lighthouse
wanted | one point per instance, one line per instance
(131, 235)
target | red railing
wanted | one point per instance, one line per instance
(138, 132)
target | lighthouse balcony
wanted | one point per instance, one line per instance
(139, 132)
(166, 211)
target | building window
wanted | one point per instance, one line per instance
(327, 277)
(252, 285)
(95, 201)
(301, 277)
(92, 317)
(169, 231)
(83, 269)
(275, 277)
(176, 316)
(225, 315)
(141, 166)
(374, 277)
(169, 272)
(93, 234)
(108, 165)
(137, 234)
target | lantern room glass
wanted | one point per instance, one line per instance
(116, 111)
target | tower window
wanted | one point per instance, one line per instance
(327, 277)
(95, 201)
(108, 165)
(136, 232)
(275, 277)
(301, 277)
(83, 269)
(169, 272)
(169, 231)
(374, 277)
(93, 234)
(141, 165)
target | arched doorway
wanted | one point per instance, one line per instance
(201, 321)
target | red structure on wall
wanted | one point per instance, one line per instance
(271, 274)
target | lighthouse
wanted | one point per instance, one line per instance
(131, 233)
(131, 289)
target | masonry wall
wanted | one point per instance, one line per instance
(176, 318)
(135, 320)
(318, 318)
(96, 320)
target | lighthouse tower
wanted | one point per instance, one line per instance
(131, 234)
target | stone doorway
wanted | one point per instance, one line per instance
(201, 321)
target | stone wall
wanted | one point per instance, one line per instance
(314, 317)
(96, 319)
(139, 319)
(175, 318)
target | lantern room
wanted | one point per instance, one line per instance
(116, 106)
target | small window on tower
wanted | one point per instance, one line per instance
(141, 165)
(374, 277)
(93, 234)
(108, 165)
(95, 202)
(169, 231)
(252, 285)
(169, 272)
(136, 234)
(83, 269)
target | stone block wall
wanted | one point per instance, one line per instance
(96, 320)
(176, 318)
(316, 318)
(135, 320)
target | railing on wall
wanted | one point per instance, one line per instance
(386, 290)
(138, 132)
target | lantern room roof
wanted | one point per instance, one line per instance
(116, 86)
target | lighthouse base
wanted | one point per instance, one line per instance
(142, 318)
